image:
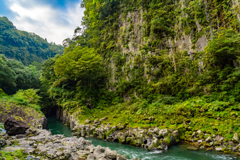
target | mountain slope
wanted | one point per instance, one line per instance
(24, 46)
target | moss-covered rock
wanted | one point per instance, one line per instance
(236, 137)
(121, 137)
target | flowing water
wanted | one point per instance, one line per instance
(179, 152)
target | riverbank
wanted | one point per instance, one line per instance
(193, 122)
(176, 152)
(40, 144)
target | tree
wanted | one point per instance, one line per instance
(7, 76)
(14, 76)
(82, 65)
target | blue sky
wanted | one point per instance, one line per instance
(51, 19)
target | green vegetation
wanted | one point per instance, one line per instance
(24, 98)
(74, 78)
(23, 46)
(14, 75)
(198, 113)
(13, 155)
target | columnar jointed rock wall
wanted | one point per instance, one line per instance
(150, 139)
(218, 143)
(153, 138)
(66, 118)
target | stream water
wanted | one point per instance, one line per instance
(179, 152)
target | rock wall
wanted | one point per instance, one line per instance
(66, 118)
(193, 24)
(150, 139)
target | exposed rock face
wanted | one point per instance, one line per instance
(43, 144)
(14, 127)
(65, 118)
(150, 139)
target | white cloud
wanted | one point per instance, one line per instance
(51, 23)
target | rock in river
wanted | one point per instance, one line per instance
(14, 127)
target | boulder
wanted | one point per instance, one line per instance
(163, 132)
(219, 149)
(121, 137)
(111, 154)
(235, 138)
(199, 131)
(103, 119)
(209, 139)
(91, 157)
(175, 133)
(155, 143)
(15, 127)
(88, 121)
(2, 143)
(121, 157)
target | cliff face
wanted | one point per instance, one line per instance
(152, 35)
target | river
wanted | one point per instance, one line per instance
(179, 152)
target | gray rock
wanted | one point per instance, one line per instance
(99, 152)
(201, 147)
(154, 144)
(14, 127)
(235, 138)
(175, 133)
(91, 157)
(194, 133)
(110, 154)
(218, 149)
(21, 136)
(200, 141)
(209, 139)
(88, 121)
(90, 148)
(2, 143)
(156, 130)
(163, 132)
(121, 137)
(121, 157)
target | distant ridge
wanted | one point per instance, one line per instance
(24, 46)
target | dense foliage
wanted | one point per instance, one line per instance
(75, 77)
(23, 46)
(14, 75)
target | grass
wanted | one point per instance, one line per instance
(13, 155)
